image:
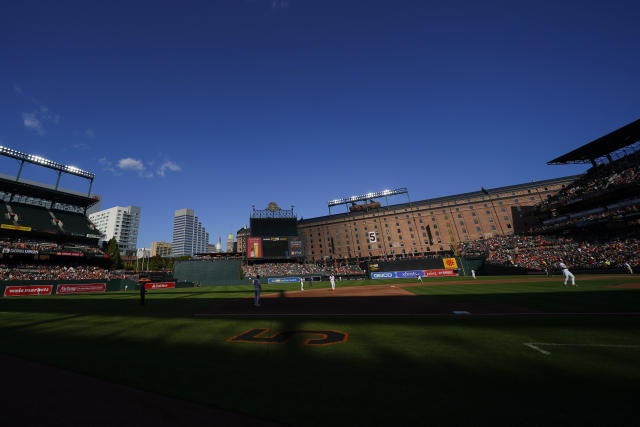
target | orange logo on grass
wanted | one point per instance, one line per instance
(256, 335)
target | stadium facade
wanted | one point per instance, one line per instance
(189, 235)
(121, 223)
(424, 227)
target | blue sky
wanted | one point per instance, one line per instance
(221, 105)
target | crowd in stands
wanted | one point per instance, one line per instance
(55, 272)
(295, 269)
(542, 252)
(601, 178)
(587, 220)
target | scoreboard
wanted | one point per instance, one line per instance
(269, 227)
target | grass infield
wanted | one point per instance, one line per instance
(391, 371)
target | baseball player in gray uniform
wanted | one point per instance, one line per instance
(256, 290)
(302, 283)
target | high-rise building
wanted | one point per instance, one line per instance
(119, 222)
(161, 249)
(241, 236)
(230, 243)
(189, 236)
(211, 248)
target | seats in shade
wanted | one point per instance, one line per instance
(74, 223)
(4, 218)
(38, 218)
(41, 219)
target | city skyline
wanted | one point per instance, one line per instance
(222, 106)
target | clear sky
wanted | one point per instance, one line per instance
(221, 105)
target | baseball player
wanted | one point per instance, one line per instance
(256, 290)
(473, 273)
(628, 267)
(567, 274)
(302, 283)
(332, 279)
(419, 277)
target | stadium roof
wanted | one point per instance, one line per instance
(9, 185)
(601, 147)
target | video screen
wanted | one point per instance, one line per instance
(267, 227)
(275, 248)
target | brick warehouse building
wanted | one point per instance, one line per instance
(425, 226)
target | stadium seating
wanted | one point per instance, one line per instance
(74, 223)
(38, 218)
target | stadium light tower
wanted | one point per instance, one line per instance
(368, 196)
(41, 161)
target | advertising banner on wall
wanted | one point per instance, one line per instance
(412, 274)
(449, 263)
(19, 291)
(69, 253)
(19, 251)
(409, 274)
(439, 273)
(160, 285)
(385, 275)
(283, 280)
(254, 247)
(15, 227)
(81, 288)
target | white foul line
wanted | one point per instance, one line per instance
(535, 346)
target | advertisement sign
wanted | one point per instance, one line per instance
(254, 247)
(81, 288)
(18, 291)
(439, 273)
(449, 263)
(385, 275)
(160, 285)
(69, 254)
(19, 251)
(409, 274)
(295, 247)
(412, 274)
(283, 280)
(15, 227)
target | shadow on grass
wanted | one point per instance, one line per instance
(444, 375)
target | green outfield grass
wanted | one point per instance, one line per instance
(460, 370)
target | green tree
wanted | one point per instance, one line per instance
(157, 263)
(114, 254)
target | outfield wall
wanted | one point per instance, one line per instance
(210, 272)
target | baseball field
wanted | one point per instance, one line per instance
(499, 350)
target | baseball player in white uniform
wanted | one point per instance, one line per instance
(567, 274)
(628, 267)
(332, 279)
(473, 273)
(302, 283)
(419, 277)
